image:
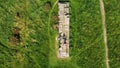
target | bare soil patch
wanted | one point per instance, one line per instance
(15, 38)
(47, 6)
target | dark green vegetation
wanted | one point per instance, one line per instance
(112, 8)
(27, 37)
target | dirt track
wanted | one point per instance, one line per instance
(104, 31)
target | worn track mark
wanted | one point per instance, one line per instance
(104, 31)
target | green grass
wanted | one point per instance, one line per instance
(113, 31)
(87, 46)
(38, 50)
(86, 36)
(33, 19)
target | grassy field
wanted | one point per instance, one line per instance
(113, 30)
(27, 34)
(32, 18)
(87, 47)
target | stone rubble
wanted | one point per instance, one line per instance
(63, 50)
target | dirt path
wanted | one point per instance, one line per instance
(104, 31)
